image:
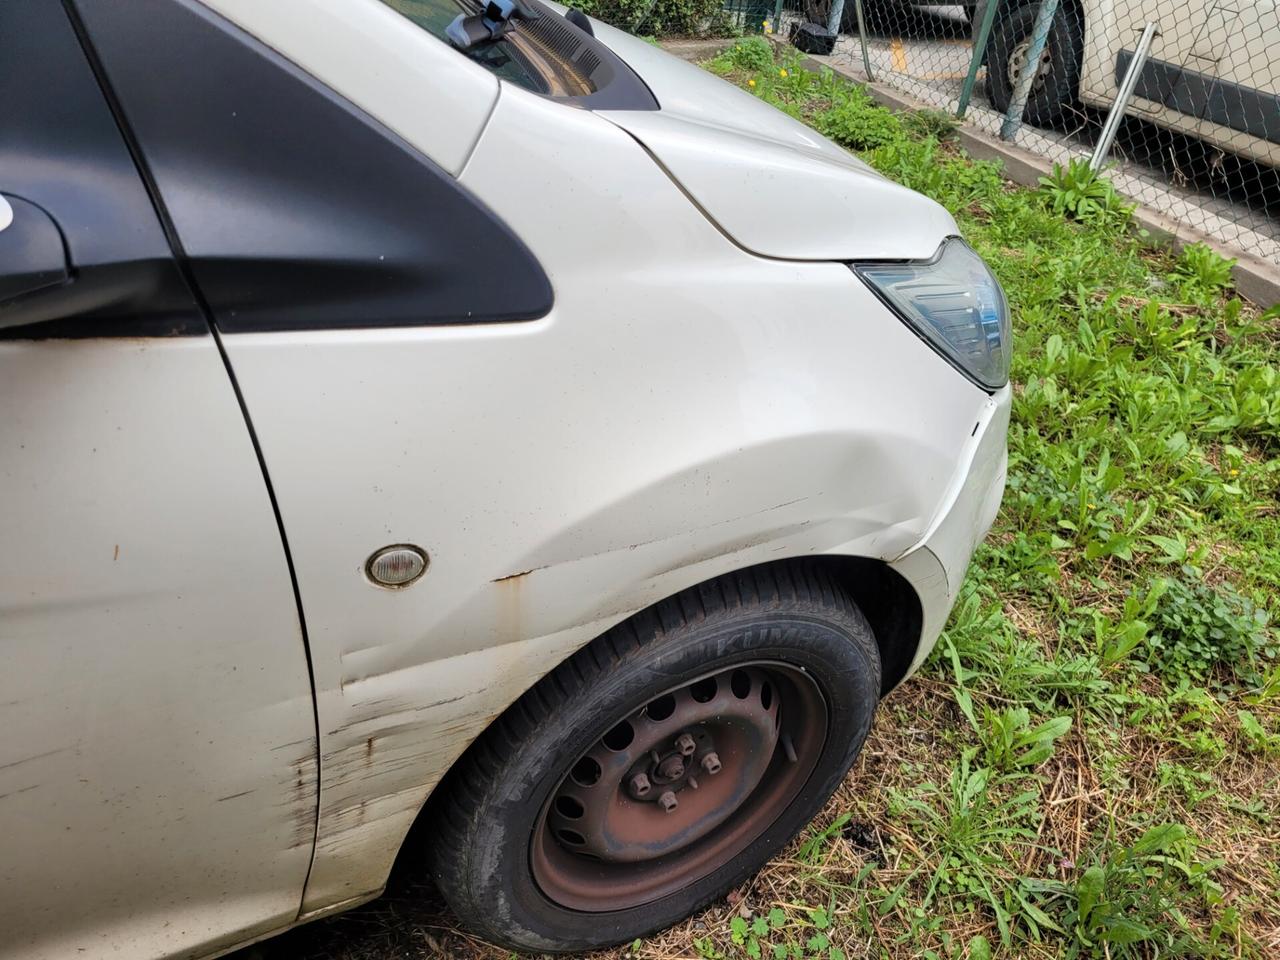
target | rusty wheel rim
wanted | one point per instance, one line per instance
(679, 786)
(1018, 63)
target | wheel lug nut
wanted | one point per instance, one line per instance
(685, 744)
(668, 801)
(640, 785)
(711, 763)
(671, 768)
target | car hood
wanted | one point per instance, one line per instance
(773, 185)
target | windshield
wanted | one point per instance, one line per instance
(501, 57)
(540, 51)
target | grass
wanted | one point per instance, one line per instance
(1089, 764)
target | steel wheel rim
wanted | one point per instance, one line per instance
(734, 751)
(1018, 60)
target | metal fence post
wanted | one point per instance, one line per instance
(979, 50)
(1039, 34)
(862, 38)
(1127, 86)
(834, 16)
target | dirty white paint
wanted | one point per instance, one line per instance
(157, 750)
(381, 62)
(935, 568)
(686, 409)
(1225, 40)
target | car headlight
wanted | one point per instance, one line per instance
(954, 303)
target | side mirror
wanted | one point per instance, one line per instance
(32, 256)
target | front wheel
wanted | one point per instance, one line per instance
(660, 766)
(1057, 81)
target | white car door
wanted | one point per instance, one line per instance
(1209, 74)
(1186, 36)
(307, 224)
(157, 733)
(1246, 103)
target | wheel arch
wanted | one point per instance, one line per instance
(886, 598)
(889, 603)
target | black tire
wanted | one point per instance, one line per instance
(1057, 90)
(490, 806)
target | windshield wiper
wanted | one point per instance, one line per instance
(490, 24)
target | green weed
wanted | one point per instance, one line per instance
(1197, 629)
(1131, 902)
(1257, 736)
(923, 124)
(974, 824)
(749, 53)
(858, 123)
(1077, 191)
(1011, 742)
(1202, 270)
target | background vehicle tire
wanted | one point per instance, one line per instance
(1056, 88)
(548, 841)
(818, 12)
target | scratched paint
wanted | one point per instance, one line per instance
(157, 737)
(403, 726)
(404, 730)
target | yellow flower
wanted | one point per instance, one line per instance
(1092, 505)
(1235, 473)
(782, 73)
(751, 83)
(764, 23)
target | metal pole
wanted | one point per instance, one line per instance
(862, 39)
(1022, 90)
(979, 51)
(1127, 86)
(834, 16)
(777, 18)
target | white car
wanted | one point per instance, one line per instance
(525, 431)
(1211, 73)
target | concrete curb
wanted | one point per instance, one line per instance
(1255, 278)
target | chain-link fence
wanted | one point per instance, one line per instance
(750, 16)
(1197, 138)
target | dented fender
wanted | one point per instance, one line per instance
(685, 409)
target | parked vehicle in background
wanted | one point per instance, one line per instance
(819, 11)
(1210, 74)
(414, 409)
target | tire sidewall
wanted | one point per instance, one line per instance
(843, 662)
(1047, 104)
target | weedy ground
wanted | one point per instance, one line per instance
(1089, 763)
